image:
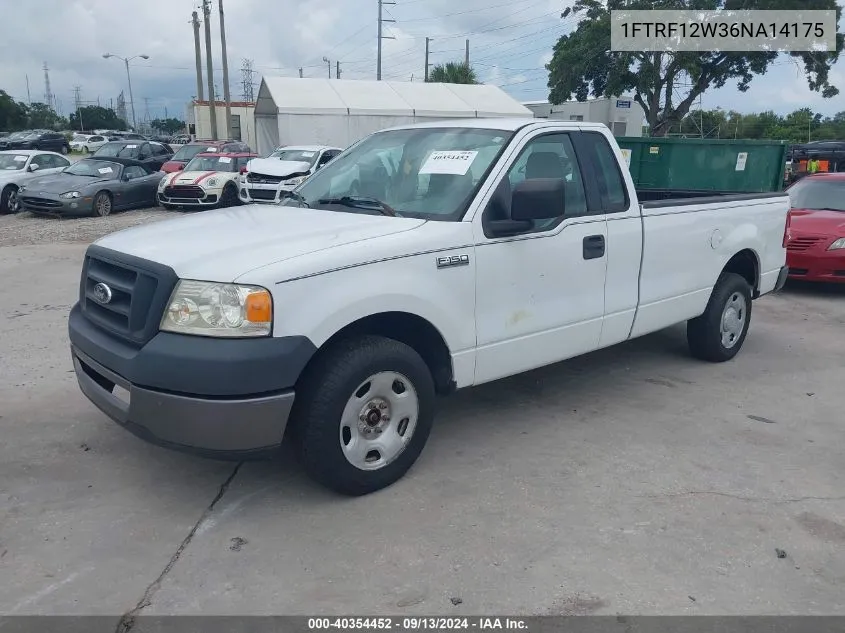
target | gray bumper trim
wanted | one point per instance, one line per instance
(781, 282)
(215, 427)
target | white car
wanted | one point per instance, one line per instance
(18, 166)
(493, 247)
(266, 179)
(208, 180)
(87, 143)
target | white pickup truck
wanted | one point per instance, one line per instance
(421, 260)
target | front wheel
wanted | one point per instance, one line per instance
(718, 334)
(102, 204)
(229, 198)
(65, 149)
(9, 202)
(363, 414)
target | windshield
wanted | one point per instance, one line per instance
(211, 163)
(94, 168)
(296, 155)
(818, 194)
(12, 162)
(79, 137)
(17, 135)
(429, 173)
(119, 149)
(187, 152)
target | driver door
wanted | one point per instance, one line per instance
(540, 293)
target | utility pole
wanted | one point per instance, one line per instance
(28, 95)
(337, 71)
(300, 73)
(226, 95)
(77, 97)
(329, 63)
(246, 80)
(48, 94)
(381, 36)
(212, 109)
(147, 109)
(466, 59)
(427, 41)
(196, 22)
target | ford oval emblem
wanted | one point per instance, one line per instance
(102, 293)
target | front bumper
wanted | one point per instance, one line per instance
(258, 193)
(53, 204)
(824, 266)
(214, 397)
(210, 199)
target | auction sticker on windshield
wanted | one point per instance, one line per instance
(449, 162)
(105, 170)
(225, 159)
(211, 149)
(308, 154)
(20, 159)
(131, 146)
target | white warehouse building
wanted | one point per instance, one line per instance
(623, 115)
(339, 112)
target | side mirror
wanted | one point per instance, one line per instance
(539, 199)
(34, 167)
(242, 170)
(126, 178)
(535, 199)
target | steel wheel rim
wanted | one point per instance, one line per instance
(733, 320)
(103, 205)
(379, 420)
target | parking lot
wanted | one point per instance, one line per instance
(634, 480)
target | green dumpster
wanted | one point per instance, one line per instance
(699, 165)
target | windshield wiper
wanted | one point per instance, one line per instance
(298, 197)
(360, 202)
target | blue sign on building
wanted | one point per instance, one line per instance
(623, 104)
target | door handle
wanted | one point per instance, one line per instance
(593, 246)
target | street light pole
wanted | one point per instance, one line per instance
(126, 61)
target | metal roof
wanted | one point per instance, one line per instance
(289, 95)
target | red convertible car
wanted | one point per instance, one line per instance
(815, 248)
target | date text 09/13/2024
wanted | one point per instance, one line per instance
(417, 623)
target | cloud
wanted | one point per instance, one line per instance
(510, 42)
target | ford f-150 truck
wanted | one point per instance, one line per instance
(422, 260)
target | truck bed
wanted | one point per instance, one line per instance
(656, 198)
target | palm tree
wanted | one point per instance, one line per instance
(453, 73)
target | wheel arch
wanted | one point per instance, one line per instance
(413, 330)
(746, 264)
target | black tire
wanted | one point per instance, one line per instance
(705, 335)
(167, 207)
(327, 386)
(65, 149)
(101, 209)
(229, 197)
(8, 196)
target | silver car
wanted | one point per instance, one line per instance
(93, 186)
(19, 166)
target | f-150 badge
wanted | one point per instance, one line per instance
(453, 260)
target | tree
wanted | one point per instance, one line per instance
(96, 118)
(453, 73)
(168, 126)
(583, 65)
(12, 113)
(40, 116)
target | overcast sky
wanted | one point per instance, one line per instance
(510, 41)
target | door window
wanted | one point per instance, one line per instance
(47, 161)
(614, 194)
(549, 156)
(133, 171)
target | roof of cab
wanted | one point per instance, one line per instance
(504, 124)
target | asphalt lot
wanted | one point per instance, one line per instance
(634, 480)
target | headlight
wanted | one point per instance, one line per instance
(216, 309)
(162, 182)
(840, 243)
(70, 194)
(211, 182)
(296, 181)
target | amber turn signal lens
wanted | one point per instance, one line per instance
(259, 307)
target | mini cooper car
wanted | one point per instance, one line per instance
(208, 180)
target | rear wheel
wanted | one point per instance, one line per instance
(65, 149)
(102, 204)
(9, 202)
(718, 334)
(363, 414)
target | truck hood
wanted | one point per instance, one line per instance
(225, 244)
(817, 221)
(276, 167)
